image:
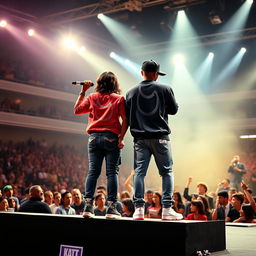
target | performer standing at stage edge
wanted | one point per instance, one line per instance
(147, 106)
(106, 136)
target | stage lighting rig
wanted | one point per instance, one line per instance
(133, 5)
(215, 18)
(217, 8)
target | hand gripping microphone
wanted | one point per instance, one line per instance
(81, 83)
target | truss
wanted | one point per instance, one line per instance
(18, 15)
(210, 39)
(113, 6)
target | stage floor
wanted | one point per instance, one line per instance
(240, 240)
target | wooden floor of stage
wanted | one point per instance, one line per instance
(240, 240)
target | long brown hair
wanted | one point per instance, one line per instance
(107, 83)
(199, 206)
(205, 203)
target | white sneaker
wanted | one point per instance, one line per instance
(139, 213)
(170, 214)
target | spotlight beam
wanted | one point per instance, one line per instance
(132, 67)
(183, 31)
(123, 34)
(236, 23)
(231, 68)
(203, 73)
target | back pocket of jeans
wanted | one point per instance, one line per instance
(110, 143)
(91, 142)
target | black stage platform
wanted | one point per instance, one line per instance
(42, 234)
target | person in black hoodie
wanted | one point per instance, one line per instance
(148, 105)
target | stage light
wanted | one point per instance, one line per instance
(181, 12)
(100, 16)
(215, 19)
(211, 55)
(3, 23)
(178, 59)
(127, 62)
(250, 1)
(82, 49)
(215, 14)
(243, 50)
(31, 32)
(253, 136)
(112, 55)
(69, 43)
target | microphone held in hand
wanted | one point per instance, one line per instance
(81, 83)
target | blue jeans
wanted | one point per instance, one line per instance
(143, 149)
(103, 145)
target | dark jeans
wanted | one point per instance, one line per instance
(103, 145)
(143, 149)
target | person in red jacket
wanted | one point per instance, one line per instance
(198, 212)
(106, 136)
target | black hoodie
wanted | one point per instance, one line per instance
(147, 107)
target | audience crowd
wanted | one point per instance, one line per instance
(34, 178)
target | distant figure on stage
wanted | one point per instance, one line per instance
(148, 105)
(106, 136)
(237, 171)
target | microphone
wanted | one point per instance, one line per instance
(81, 83)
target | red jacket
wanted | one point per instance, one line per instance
(104, 111)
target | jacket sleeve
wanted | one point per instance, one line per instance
(186, 195)
(242, 168)
(210, 201)
(127, 107)
(83, 107)
(230, 169)
(171, 104)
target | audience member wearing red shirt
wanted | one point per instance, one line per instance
(198, 212)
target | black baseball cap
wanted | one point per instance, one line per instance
(151, 66)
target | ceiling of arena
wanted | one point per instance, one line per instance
(151, 19)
